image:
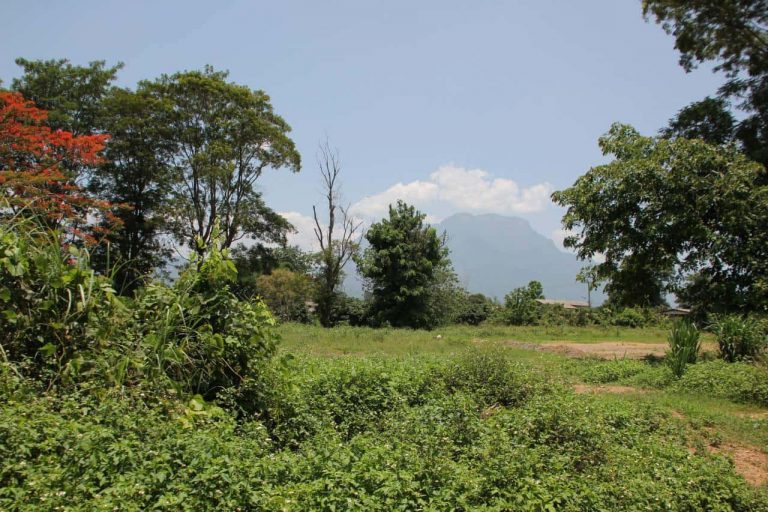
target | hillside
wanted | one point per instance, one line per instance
(493, 254)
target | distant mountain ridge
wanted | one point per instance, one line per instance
(493, 254)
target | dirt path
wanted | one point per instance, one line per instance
(603, 349)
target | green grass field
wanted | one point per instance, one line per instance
(707, 413)
(447, 340)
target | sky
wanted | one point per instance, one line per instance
(454, 106)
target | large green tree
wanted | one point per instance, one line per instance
(136, 176)
(223, 136)
(665, 210)
(404, 265)
(733, 35)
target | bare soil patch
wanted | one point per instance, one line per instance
(750, 462)
(603, 349)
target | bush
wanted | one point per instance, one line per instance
(604, 372)
(491, 378)
(410, 443)
(629, 317)
(684, 346)
(740, 382)
(739, 338)
(198, 333)
(474, 309)
(346, 310)
(55, 312)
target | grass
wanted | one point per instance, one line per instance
(734, 422)
(363, 341)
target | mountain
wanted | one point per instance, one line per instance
(492, 254)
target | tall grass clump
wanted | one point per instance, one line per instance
(684, 346)
(739, 339)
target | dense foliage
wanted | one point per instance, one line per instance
(672, 215)
(475, 432)
(403, 264)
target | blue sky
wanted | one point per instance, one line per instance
(483, 106)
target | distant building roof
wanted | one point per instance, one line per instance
(567, 304)
(677, 312)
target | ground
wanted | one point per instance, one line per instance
(718, 426)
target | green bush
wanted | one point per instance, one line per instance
(413, 443)
(346, 310)
(605, 372)
(474, 309)
(491, 378)
(740, 382)
(739, 338)
(629, 317)
(684, 346)
(56, 314)
(198, 333)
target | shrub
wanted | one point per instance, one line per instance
(740, 382)
(198, 333)
(629, 317)
(491, 378)
(684, 346)
(55, 312)
(739, 338)
(346, 310)
(474, 309)
(604, 372)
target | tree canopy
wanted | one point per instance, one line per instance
(222, 137)
(666, 210)
(402, 265)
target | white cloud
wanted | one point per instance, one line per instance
(448, 190)
(305, 235)
(415, 192)
(459, 190)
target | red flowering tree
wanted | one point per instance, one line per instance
(32, 174)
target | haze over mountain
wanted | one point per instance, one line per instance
(492, 254)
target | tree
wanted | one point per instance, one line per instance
(286, 293)
(135, 176)
(401, 265)
(474, 308)
(708, 119)
(72, 94)
(520, 306)
(664, 210)
(731, 32)
(734, 35)
(257, 260)
(588, 275)
(335, 249)
(223, 136)
(31, 176)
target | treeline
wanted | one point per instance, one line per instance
(181, 157)
(138, 172)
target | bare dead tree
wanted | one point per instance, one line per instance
(339, 238)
